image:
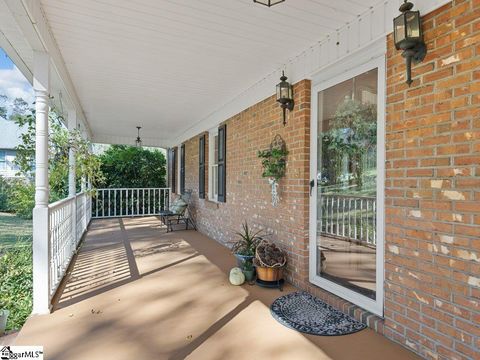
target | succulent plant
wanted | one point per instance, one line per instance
(247, 242)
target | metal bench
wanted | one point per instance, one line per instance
(176, 215)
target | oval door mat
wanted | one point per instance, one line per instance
(304, 312)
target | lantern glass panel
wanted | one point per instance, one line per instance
(413, 24)
(285, 92)
(399, 27)
(278, 92)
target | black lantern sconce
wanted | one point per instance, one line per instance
(408, 36)
(285, 96)
(268, 2)
(138, 140)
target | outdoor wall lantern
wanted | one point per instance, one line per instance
(285, 96)
(408, 36)
(138, 141)
(268, 2)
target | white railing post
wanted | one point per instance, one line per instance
(41, 236)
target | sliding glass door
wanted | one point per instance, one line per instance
(347, 226)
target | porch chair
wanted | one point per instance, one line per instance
(177, 213)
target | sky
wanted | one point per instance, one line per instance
(12, 82)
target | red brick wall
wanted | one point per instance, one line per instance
(248, 194)
(432, 258)
(432, 249)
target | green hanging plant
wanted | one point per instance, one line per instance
(274, 159)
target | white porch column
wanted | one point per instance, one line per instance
(72, 181)
(83, 180)
(72, 178)
(41, 242)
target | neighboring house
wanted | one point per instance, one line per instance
(10, 137)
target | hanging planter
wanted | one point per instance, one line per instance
(274, 162)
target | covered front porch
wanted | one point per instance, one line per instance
(135, 291)
(376, 162)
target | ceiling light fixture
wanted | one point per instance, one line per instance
(138, 141)
(268, 3)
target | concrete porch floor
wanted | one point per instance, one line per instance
(137, 292)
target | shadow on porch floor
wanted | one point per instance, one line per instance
(137, 292)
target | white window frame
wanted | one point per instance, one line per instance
(335, 75)
(212, 133)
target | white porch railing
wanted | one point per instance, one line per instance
(109, 203)
(68, 220)
(349, 217)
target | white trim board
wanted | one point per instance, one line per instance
(360, 34)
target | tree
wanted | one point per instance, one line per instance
(3, 106)
(352, 134)
(20, 108)
(133, 167)
(60, 141)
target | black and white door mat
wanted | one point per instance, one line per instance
(304, 312)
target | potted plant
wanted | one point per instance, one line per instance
(269, 261)
(248, 270)
(244, 247)
(3, 320)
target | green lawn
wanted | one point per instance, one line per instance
(14, 231)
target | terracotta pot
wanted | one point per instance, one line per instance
(269, 274)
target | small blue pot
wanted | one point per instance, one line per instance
(241, 259)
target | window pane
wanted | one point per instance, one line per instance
(215, 181)
(399, 28)
(347, 178)
(216, 150)
(413, 26)
(2, 160)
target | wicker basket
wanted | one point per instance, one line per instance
(268, 273)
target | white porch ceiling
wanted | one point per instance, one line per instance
(167, 64)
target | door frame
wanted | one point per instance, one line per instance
(356, 65)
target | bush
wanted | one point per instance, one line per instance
(16, 284)
(22, 199)
(5, 189)
(132, 167)
(18, 196)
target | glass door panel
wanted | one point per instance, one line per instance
(346, 228)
